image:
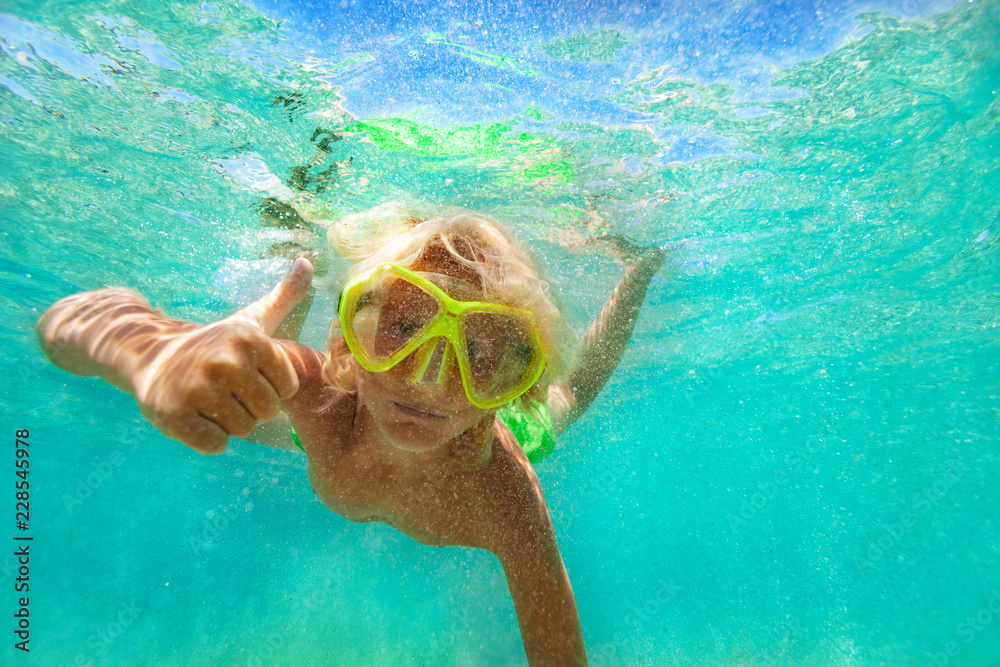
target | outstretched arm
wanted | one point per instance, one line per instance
(545, 606)
(196, 384)
(539, 586)
(605, 340)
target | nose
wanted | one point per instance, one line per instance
(433, 362)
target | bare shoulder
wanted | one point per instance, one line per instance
(317, 412)
(307, 361)
(308, 364)
(314, 397)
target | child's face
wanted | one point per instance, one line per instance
(415, 416)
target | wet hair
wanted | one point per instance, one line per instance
(481, 250)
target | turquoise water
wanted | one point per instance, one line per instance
(795, 463)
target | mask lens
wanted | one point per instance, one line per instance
(502, 352)
(387, 314)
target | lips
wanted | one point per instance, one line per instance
(417, 410)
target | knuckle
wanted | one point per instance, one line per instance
(247, 337)
(210, 444)
(270, 411)
(292, 387)
(199, 437)
(244, 429)
(160, 415)
(201, 398)
(218, 369)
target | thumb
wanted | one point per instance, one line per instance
(268, 312)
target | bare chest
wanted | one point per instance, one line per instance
(438, 508)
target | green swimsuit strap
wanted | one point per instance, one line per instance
(298, 443)
(532, 427)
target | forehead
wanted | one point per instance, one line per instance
(454, 287)
(458, 281)
(436, 259)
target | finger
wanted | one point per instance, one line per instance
(250, 390)
(268, 312)
(197, 432)
(259, 398)
(218, 401)
(273, 363)
(230, 414)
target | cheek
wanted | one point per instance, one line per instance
(468, 418)
(365, 381)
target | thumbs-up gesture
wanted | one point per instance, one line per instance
(198, 385)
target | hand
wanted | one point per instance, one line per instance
(626, 252)
(220, 380)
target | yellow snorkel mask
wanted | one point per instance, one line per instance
(393, 312)
(433, 362)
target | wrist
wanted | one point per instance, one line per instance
(136, 340)
(649, 262)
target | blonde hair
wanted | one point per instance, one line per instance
(504, 269)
